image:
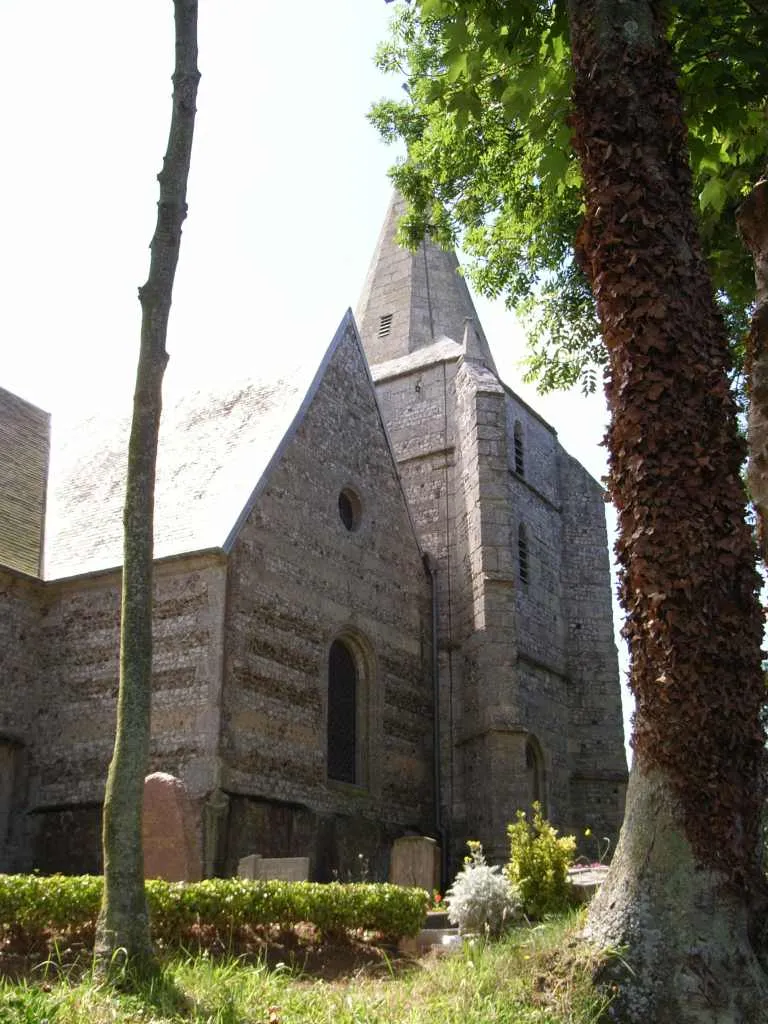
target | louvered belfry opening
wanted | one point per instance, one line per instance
(342, 713)
(519, 451)
(522, 553)
(385, 325)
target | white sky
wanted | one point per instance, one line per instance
(287, 193)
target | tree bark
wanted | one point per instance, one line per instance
(685, 889)
(753, 225)
(123, 932)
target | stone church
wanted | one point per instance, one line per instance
(382, 605)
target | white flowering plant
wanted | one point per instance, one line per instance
(482, 900)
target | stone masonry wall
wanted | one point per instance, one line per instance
(596, 737)
(419, 410)
(488, 713)
(20, 615)
(298, 580)
(74, 728)
(503, 658)
(536, 500)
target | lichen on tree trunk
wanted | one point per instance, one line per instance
(123, 933)
(682, 933)
(686, 884)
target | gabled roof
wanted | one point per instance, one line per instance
(215, 451)
(411, 300)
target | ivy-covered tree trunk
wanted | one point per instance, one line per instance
(685, 895)
(123, 927)
(753, 224)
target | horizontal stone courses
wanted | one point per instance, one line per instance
(417, 703)
(265, 674)
(413, 734)
(296, 737)
(179, 607)
(79, 616)
(256, 694)
(74, 657)
(267, 772)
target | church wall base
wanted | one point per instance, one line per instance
(345, 848)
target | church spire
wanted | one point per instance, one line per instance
(412, 299)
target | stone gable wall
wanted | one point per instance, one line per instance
(299, 579)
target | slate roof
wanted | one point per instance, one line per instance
(216, 446)
(24, 444)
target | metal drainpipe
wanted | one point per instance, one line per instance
(441, 830)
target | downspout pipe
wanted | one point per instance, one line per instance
(440, 829)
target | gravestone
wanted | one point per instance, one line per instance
(415, 861)
(168, 830)
(284, 869)
(247, 867)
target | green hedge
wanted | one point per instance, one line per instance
(33, 907)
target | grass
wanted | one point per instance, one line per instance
(536, 975)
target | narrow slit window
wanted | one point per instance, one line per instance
(342, 714)
(519, 450)
(522, 554)
(385, 325)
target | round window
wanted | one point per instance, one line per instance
(350, 509)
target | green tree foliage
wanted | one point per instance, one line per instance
(485, 118)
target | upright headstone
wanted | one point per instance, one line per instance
(168, 830)
(415, 861)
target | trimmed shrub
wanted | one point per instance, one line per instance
(35, 908)
(481, 900)
(538, 864)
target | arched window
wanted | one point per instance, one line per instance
(519, 451)
(342, 713)
(522, 554)
(534, 770)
